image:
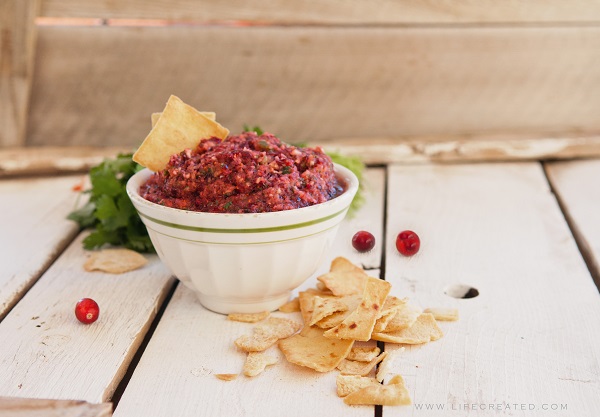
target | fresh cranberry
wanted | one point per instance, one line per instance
(363, 241)
(408, 243)
(87, 310)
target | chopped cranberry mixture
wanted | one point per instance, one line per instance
(244, 174)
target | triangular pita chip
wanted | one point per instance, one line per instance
(424, 330)
(392, 304)
(351, 301)
(406, 315)
(208, 114)
(360, 323)
(323, 307)
(347, 367)
(395, 393)
(291, 306)
(180, 127)
(363, 353)
(115, 261)
(347, 384)
(344, 278)
(311, 349)
(267, 333)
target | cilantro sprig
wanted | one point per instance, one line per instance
(109, 210)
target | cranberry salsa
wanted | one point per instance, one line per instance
(247, 173)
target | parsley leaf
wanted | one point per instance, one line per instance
(255, 129)
(357, 166)
(109, 211)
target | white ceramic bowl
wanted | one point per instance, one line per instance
(243, 263)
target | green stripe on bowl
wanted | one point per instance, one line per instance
(268, 242)
(255, 230)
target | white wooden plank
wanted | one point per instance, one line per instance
(576, 185)
(47, 353)
(191, 344)
(34, 230)
(531, 336)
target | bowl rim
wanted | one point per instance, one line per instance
(341, 172)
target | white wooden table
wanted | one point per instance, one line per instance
(528, 345)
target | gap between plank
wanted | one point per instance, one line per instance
(241, 23)
(381, 345)
(116, 397)
(585, 252)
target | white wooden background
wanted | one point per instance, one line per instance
(530, 337)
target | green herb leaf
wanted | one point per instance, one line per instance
(357, 166)
(255, 129)
(84, 216)
(109, 210)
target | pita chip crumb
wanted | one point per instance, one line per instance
(347, 384)
(443, 314)
(424, 330)
(248, 317)
(226, 377)
(267, 334)
(394, 393)
(256, 362)
(385, 367)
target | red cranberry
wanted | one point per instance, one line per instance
(408, 243)
(87, 310)
(363, 241)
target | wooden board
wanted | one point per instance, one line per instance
(191, 344)
(28, 407)
(465, 148)
(530, 336)
(34, 231)
(576, 185)
(15, 162)
(17, 46)
(47, 353)
(315, 84)
(334, 12)
(53, 160)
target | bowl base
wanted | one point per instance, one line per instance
(228, 306)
